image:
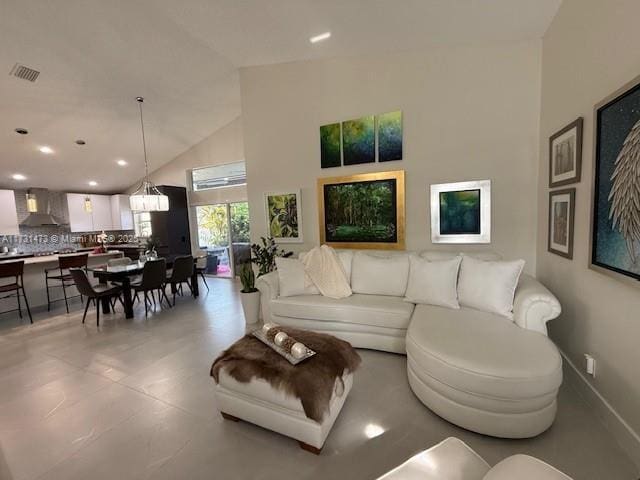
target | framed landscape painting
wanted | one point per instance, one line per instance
(363, 211)
(359, 141)
(565, 155)
(561, 222)
(461, 212)
(615, 224)
(330, 146)
(284, 216)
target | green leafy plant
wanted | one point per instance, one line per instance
(264, 255)
(248, 278)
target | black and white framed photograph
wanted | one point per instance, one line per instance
(461, 212)
(565, 155)
(561, 221)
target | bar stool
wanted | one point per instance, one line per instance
(15, 270)
(64, 279)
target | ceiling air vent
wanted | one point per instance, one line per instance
(25, 73)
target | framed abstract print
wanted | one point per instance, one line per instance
(615, 222)
(561, 221)
(362, 211)
(461, 212)
(565, 155)
(284, 216)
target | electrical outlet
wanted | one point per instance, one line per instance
(591, 365)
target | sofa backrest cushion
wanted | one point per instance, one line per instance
(433, 282)
(293, 280)
(489, 286)
(379, 274)
(345, 257)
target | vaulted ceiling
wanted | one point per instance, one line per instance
(96, 56)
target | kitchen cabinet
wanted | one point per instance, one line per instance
(98, 219)
(8, 213)
(79, 219)
(121, 215)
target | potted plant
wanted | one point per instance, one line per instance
(264, 256)
(250, 295)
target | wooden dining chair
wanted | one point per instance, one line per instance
(94, 293)
(63, 278)
(154, 278)
(15, 272)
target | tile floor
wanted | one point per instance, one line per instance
(133, 400)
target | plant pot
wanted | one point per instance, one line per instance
(251, 306)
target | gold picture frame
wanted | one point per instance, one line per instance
(390, 236)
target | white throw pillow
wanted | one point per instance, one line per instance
(489, 286)
(379, 274)
(293, 280)
(433, 282)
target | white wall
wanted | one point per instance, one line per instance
(469, 113)
(590, 51)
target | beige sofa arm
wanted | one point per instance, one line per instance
(534, 305)
(269, 287)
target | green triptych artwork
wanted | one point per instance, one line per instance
(353, 142)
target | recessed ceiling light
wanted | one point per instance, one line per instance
(80, 142)
(18, 176)
(21, 131)
(93, 183)
(321, 37)
(45, 149)
(122, 163)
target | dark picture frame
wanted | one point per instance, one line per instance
(615, 244)
(565, 155)
(561, 222)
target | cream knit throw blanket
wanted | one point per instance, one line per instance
(323, 267)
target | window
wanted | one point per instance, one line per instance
(219, 176)
(142, 224)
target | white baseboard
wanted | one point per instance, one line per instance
(628, 439)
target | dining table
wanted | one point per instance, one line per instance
(122, 275)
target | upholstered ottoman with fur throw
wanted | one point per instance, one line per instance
(256, 384)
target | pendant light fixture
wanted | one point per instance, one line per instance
(147, 198)
(88, 206)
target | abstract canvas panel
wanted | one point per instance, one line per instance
(330, 141)
(561, 222)
(359, 141)
(615, 242)
(389, 136)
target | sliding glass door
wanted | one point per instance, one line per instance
(223, 231)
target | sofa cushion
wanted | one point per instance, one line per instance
(489, 286)
(293, 280)
(379, 274)
(482, 353)
(433, 282)
(377, 310)
(486, 255)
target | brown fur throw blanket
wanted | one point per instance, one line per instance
(312, 381)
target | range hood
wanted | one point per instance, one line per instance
(38, 199)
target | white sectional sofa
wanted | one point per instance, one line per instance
(479, 370)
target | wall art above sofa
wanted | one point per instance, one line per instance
(284, 216)
(363, 211)
(461, 212)
(362, 140)
(615, 241)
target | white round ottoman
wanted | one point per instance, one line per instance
(482, 372)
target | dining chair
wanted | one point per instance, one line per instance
(154, 278)
(181, 273)
(201, 266)
(94, 293)
(63, 278)
(14, 270)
